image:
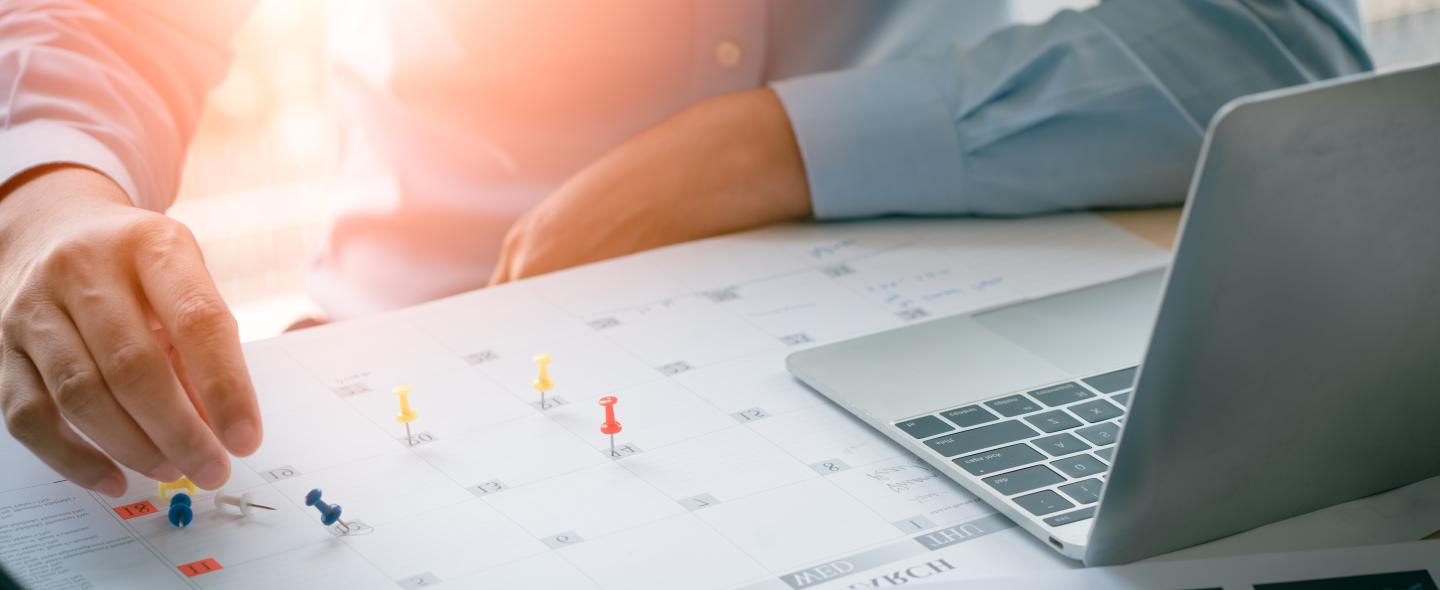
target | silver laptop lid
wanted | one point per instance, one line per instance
(1295, 363)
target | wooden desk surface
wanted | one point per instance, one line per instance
(1156, 225)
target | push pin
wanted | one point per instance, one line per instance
(542, 382)
(180, 512)
(180, 484)
(611, 426)
(406, 414)
(329, 513)
(242, 502)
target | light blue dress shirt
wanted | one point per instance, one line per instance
(462, 114)
(1101, 108)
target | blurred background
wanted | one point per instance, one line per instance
(257, 181)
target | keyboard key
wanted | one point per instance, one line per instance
(1059, 395)
(1113, 381)
(1122, 399)
(1106, 453)
(1042, 503)
(1013, 406)
(924, 426)
(1024, 480)
(1054, 421)
(969, 416)
(1084, 492)
(1060, 445)
(984, 437)
(1100, 434)
(1097, 411)
(999, 459)
(1080, 466)
(1069, 517)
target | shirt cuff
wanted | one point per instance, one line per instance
(40, 143)
(876, 140)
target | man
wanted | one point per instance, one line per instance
(620, 126)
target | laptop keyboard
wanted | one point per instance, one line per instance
(1046, 449)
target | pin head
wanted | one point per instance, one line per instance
(542, 382)
(180, 512)
(329, 517)
(406, 414)
(611, 426)
(180, 484)
(329, 513)
(243, 502)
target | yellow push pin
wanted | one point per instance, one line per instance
(406, 414)
(180, 484)
(543, 383)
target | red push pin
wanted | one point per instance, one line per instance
(611, 426)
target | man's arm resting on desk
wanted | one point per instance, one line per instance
(100, 100)
(1105, 107)
(725, 165)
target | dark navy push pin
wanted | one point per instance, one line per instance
(329, 513)
(180, 512)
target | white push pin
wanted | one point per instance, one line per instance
(242, 502)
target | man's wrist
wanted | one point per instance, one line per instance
(43, 185)
(64, 175)
(756, 171)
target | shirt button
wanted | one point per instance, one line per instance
(728, 53)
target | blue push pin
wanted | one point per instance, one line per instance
(329, 513)
(180, 512)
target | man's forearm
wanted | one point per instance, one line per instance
(114, 85)
(726, 164)
(738, 165)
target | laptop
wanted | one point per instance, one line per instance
(1287, 360)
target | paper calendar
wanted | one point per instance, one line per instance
(729, 472)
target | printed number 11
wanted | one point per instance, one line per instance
(197, 568)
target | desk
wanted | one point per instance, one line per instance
(1158, 226)
(730, 472)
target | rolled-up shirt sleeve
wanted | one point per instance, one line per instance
(115, 86)
(1098, 108)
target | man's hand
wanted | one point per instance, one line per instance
(723, 165)
(109, 320)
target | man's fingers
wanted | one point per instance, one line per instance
(80, 394)
(508, 250)
(32, 419)
(499, 277)
(200, 327)
(140, 377)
